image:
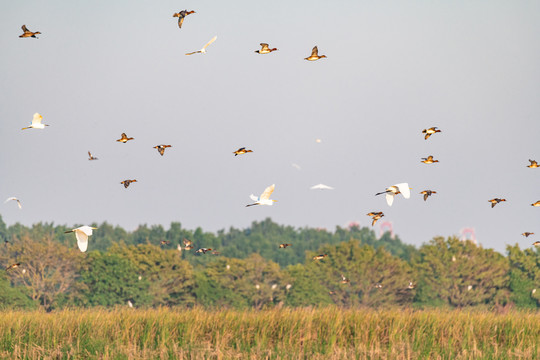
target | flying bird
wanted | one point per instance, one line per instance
(241, 151)
(265, 49)
(181, 15)
(375, 216)
(430, 132)
(202, 250)
(127, 182)
(36, 123)
(13, 266)
(427, 193)
(429, 160)
(536, 243)
(527, 234)
(28, 33)
(320, 257)
(411, 285)
(215, 252)
(264, 199)
(82, 233)
(321, 187)
(495, 201)
(284, 246)
(188, 245)
(344, 280)
(91, 157)
(314, 55)
(391, 191)
(124, 139)
(533, 165)
(14, 199)
(164, 242)
(203, 50)
(161, 148)
(536, 204)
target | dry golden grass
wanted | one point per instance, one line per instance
(326, 333)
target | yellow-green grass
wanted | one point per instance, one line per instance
(325, 333)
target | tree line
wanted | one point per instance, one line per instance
(246, 268)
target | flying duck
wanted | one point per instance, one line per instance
(91, 157)
(376, 216)
(202, 250)
(429, 160)
(314, 55)
(495, 201)
(13, 266)
(188, 245)
(265, 49)
(536, 204)
(283, 246)
(28, 33)
(127, 182)
(124, 139)
(320, 257)
(430, 132)
(533, 165)
(161, 148)
(428, 193)
(181, 15)
(241, 151)
(527, 234)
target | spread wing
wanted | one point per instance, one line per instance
(404, 189)
(264, 46)
(37, 119)
(82, 240)
(315, 51)
(180, 21)
(267, 192)
(253, 197)
(389, 199)
(211, 41)
(24, 28)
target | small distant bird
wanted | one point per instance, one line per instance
(127, 182)
(344, 280)
(378, 285)
(296, 166)
(318, 141)
(527, 234)
(495, 201)
(264, 199)
(179, 247)
(320, 257)
(428, 193)
(164, 242)
(130, 304)
(181, 15)
(430, 132)
(161, 148)
(82, 233)
(321, 187)
(533, 165)
(429, 160)
(140, 277)
(265, 49)
(284, 246)
(28, 33)
(314, 55)
(375, 216)
(91, 157)
(13, 266)
(391, 191)
(215, 252)
(36, 123)
(411, 285)
(14, 199)
(203, 50)
(241, 151)
(332, 292)
(188, 245)
(469, 288)
(536, 204)
(202, 250)
(536, 243)
(124, 139)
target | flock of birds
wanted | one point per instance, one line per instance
(82, 233)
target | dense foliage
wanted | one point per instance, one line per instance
(247, 269)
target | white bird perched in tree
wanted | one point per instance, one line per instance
(391, 191)
(82, 233)
(264, 199)
(36, 123)
(203, 50)
(14, 199)
(321, 187)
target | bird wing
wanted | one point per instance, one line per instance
(264, 46)
(37, 119)
(404, 189)
(24, 28)
(82, 240)
(315, 51)
(425, 196)
(180, 21)
(254, 198)
(85, 229)
(9, 199)
(389, 198)
(211, 41)
(267, 192)
(427, 136)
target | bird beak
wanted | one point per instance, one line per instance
(274, 200)
(94, 228)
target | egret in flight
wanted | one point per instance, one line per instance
(181, 15)
(264, 199)
(314, 55)
(36, 123)
(14, 199)
(203, 50)
(82, 233)
(402, 188)
(321, 187)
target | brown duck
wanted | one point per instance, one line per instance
(181, 15)
(314, 55)
(28, 33)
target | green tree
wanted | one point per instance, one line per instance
(524, 276)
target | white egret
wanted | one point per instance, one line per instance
(203, 50)
(391, 191)
(130, 304)
(36, 123)
(321, 187)
(264, 199)
(14, 199)
(82, 233)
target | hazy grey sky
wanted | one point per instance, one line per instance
(101, 68)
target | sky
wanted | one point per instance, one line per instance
(393, 68)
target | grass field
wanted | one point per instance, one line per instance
(327, 333)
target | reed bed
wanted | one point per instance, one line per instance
(314, 333)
